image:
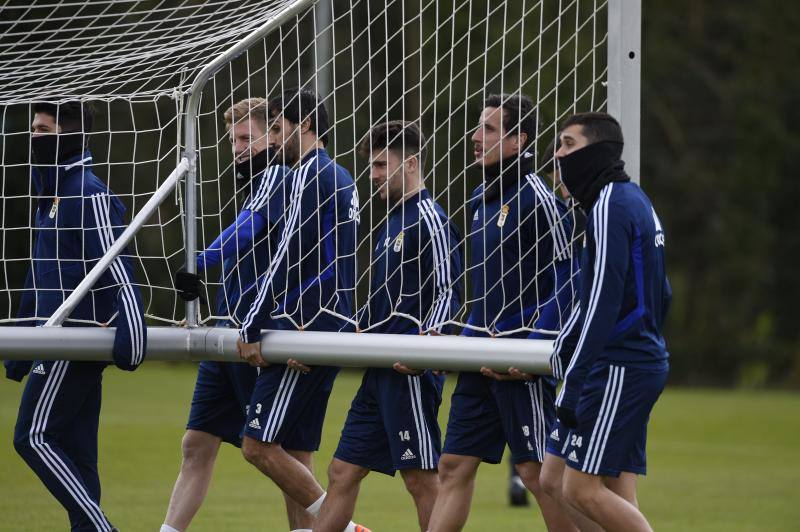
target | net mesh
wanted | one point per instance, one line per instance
(428, 62)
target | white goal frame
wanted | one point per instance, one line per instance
(341, 349)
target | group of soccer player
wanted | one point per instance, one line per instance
(288, 260)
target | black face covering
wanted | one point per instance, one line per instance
(253, 166)
(56, 149)
(586, 171)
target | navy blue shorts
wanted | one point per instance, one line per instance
(557, 439)
(221, 397)
(612, 413)
(486, 414)
(392, 422)
(288, 407)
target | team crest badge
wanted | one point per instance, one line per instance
(501, 220)
(398, 242)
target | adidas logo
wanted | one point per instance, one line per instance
(530, 447)
(39, 370)
(554, 435)
(255, 424)
(408, 455)
(573, 457)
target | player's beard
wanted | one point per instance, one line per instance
(290, 151)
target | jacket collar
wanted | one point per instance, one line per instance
(47, 179)
(506, 175)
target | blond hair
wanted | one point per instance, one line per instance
(247, 109)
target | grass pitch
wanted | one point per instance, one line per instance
(718, 461)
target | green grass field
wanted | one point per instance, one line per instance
(718, 460)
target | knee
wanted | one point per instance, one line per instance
(454, 469)
(198, 450)
(529, 474)
(341, 473)
(22, 443)
(550, 483)
(420, 483)
(578, 494)
(258, 453)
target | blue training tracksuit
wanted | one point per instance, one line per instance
(611, 352)
(77, 219)
(416, 267)
(222, 391)
(520, 271)
(246, 246)
(310, 283)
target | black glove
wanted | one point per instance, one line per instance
(567, 417)
(189, 285)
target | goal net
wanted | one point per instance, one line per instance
(369, 61)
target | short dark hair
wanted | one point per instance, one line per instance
(72, 116)
(298, 104)
(519, 114)
(547, 160)
(597, 127)
(403, 138)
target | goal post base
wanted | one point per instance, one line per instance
(454, 353)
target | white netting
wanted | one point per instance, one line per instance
(371, 61)
(133, 60)
(425, 62)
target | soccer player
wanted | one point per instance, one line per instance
(77, 220)
(392, 424)
(552, 313)
(309, 284)
(518, 238)
(553, 463)
(619, 363)
(223, 389)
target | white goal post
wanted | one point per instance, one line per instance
(570, 39)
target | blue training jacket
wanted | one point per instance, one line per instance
(245, 248)
(624, 295)
(415, 268)
(520, 253)
(77, 220)
(312, 273)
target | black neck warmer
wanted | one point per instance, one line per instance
(506, 174)
(253, 166)
(56, 149)
(586, 171)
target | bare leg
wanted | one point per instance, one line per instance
(297, 514)
(344, 480)
(592, 497)
(290, 475)
(199, 454)
(457, 483)
(423, 485)
(550, 480)
(555, 518)
(624, 486)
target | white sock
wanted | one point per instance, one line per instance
(166, 528)
(351, 527)
(302, 530)
(316, 505)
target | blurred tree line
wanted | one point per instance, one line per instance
(720, 115)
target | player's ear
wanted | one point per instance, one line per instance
(520, 139)
(305, 125)
(412, 163)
